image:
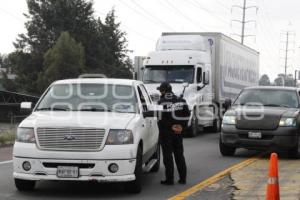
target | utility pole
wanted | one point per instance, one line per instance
(287, 47)
(243, 22)
(244, 8)
(286, 53)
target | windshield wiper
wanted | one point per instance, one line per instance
(55, 108)
(94, 109)
(276, 105)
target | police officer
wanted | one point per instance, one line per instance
(173, 120)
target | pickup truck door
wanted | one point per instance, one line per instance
(153, 132)
(146, 122)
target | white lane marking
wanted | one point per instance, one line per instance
(5, 162)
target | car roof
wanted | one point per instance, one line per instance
(272, 88)
(112, 81)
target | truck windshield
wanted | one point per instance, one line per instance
(89, 97)
(171, 74)
(268, 97)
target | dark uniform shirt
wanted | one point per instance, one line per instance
(175, 111)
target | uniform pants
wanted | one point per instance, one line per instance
(173, 145)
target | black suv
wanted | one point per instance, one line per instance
(263, 118)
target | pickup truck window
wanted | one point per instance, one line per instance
(143, 99)
(89, 97)
(169, 73)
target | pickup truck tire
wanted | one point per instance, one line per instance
(295, 151)
(136, 186)
(226, 150)
(24, 185)
(156, 156)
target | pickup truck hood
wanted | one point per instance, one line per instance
(104, 120)
(270, 111)
(260, 118)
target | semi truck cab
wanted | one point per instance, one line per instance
(186, 64)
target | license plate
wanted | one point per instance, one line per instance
(256, 135)
(67, 172)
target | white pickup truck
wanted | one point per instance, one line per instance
(88, 129)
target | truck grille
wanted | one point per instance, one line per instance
(266, 123)
(70, 139)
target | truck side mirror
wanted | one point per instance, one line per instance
(26, 107)
(206, 78)
(227, 103)
(199, 75)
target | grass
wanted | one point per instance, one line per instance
(7, 137)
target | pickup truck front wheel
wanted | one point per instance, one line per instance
(226, 150)
(24, 185)
(156, 156)
(295, 151)
(135, 186)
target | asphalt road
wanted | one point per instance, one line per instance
(202, 157)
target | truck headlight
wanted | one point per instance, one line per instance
(287, 121)
(25, 135)
(229, 120)
(119, 136)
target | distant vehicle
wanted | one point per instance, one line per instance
(88, 129)
(208, 67)
(263, 118)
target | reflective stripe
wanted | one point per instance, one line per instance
(273, 180)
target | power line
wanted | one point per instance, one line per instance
(142, 14)
(197, 4)
(133, 30)
(223, 5)
(177, 11)
(154, 17)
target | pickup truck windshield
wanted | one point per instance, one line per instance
(171, 74)
(89, 97)
(268, 97)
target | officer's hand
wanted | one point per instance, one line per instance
(177, 128)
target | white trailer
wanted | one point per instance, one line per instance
(212, 66)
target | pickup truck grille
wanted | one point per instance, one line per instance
(265, 123)
(70, 139)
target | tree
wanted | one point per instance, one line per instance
(114, 42)
(283, 80)
(105, 44)
(264, 80)
(46, 20)
(65, 59)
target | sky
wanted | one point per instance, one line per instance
(145, 20)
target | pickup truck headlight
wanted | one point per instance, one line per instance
(119, 136)
(229, 120)
(25, 135)
(287, 121)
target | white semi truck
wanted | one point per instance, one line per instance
(208, 69)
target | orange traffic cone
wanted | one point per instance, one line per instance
(273, 183)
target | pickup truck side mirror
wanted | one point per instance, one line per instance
(227, 103)
(26, 108)
(149, 113)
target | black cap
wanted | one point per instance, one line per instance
(165, 86)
